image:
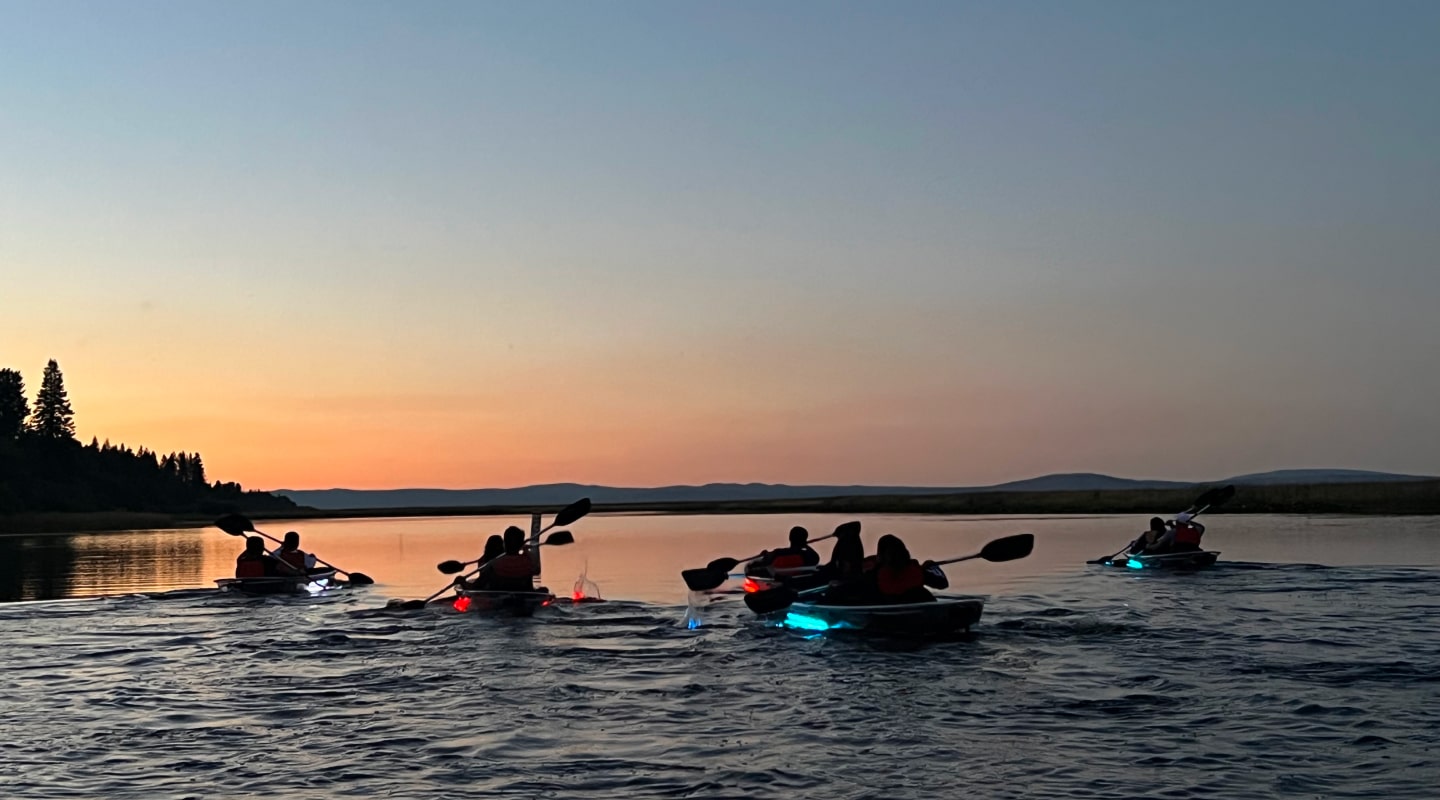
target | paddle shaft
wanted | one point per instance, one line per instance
(807, 541)
(299, 571)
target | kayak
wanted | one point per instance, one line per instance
(302, 585)
(943, 616)
(515, 604)
(1190, 559)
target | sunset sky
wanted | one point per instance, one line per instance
(465, 244)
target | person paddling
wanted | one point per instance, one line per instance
(290, 554)
(1149, 541)
(1182, 535)
(255, 562)
(494, 548)
(898, 578)
(795, 557)
(514, 571)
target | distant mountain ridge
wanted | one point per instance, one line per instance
(562, 493)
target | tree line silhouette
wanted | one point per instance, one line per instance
(44, 468)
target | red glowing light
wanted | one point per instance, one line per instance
(750, 585)
(462, 604)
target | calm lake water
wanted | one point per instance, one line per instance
(1306, 665)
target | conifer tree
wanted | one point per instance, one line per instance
(53, 417)
(13, 406)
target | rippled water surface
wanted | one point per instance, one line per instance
(1306, 665)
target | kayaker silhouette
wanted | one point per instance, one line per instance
(289, 552)
(484, 579)
(255, 562)
(514, 571)
(797, 555)
(898, 578)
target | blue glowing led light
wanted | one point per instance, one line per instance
(1133, 564)
(805, 623)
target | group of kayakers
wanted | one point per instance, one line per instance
(850, 577)
(284, 561)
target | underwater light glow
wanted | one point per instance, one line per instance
(750, 586)
(1133, 564)
(804, 623)
(462, 604)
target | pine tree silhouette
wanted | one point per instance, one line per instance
(13, 406)
(53, 418)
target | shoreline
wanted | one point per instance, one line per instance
(1407, 498)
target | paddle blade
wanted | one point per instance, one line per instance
(703, 580)
(361, 579)
(450, 567)
(234, 524)
(721, 565)
(1009, 548)
(767, 601)
(572, 512)
(851, 528)
(560, 537)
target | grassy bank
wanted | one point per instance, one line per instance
(1380, 499)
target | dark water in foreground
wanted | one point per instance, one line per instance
(1315, 678)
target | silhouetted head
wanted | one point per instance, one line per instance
(799, 537)
(891, 552)
(494, 548)
(292, 540)
(514, 539)
(1157, 524)
(254, 545)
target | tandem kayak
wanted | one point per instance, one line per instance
(799, 578)
(514, 604)
(1191, 559)
(301, 585)
(945, 615)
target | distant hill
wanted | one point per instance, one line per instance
(552, 494)
(1296, 477)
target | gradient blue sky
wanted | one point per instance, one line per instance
(465, 244)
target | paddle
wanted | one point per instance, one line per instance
(717, 572)
(239, 525)
(1215, 497)
(1009, 548)
(556, 538)
(567, 515)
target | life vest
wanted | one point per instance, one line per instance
(787, 560)
(1187, 533)
(295, 558)
(893, 582)
(249, 567)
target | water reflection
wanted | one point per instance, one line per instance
(36, 567)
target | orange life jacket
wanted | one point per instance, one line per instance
(1187, 533)
(249, 567)
(894, 581)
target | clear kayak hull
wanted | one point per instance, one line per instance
(945, 615)
(1193, 559)
(298, 585)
